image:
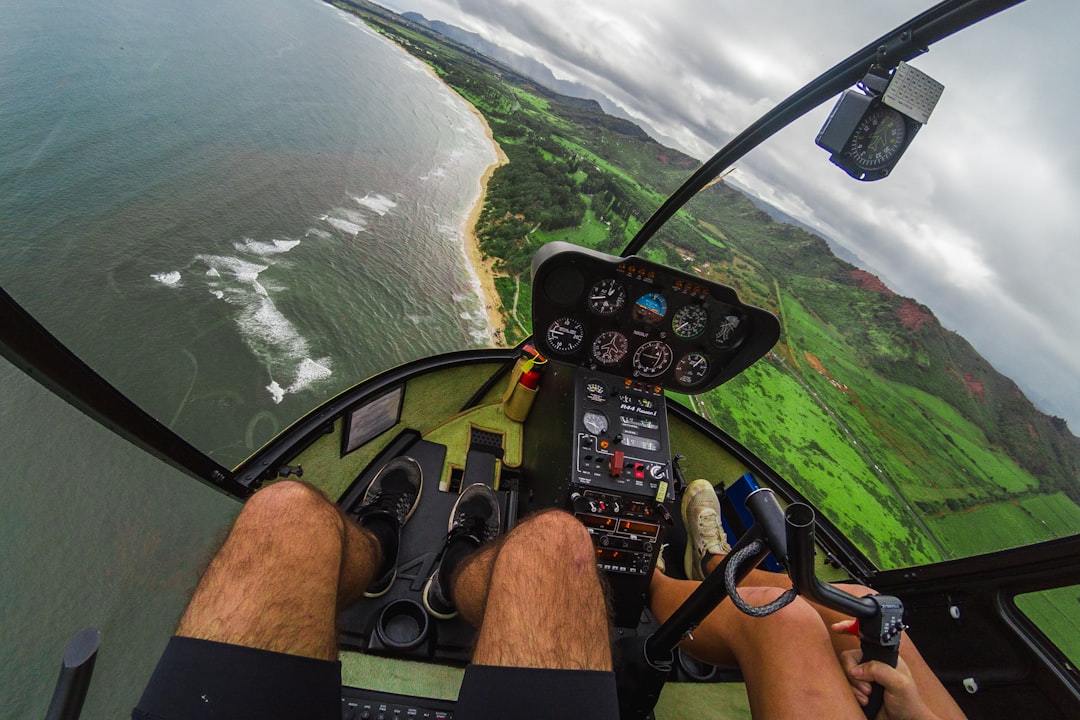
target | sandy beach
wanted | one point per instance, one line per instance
(484, 268)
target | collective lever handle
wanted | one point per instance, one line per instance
(881, 617)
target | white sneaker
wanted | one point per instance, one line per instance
(704, 532)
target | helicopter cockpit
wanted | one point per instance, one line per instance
(848, 435)
(582, 423)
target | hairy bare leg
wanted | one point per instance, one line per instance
(471, 581)
(543, 575)
(786, 659)
(930, 688)
(289, 563)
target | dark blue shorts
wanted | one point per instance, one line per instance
(198, 679)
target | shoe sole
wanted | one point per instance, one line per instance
(498, 508)
(688, 561)
(379, 594)
(431, 578)
(427, 603)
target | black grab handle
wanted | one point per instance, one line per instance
(881, 617)
(887, 654)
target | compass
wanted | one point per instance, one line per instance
(878, 138)
(652, 358)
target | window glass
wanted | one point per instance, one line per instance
(1057, 613)
(95, 533)
(234, 238)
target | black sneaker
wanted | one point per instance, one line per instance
(391, 497)
(475, 519)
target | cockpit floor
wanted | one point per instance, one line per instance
(679, 701)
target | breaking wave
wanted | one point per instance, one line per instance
(275, 340)
(171, 279)
(352, 229)
(379, 204)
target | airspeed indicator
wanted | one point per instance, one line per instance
(607, 297)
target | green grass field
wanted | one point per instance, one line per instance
(1055, 612)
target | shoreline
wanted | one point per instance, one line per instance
(484, 269)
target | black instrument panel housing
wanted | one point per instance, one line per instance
(641, 301)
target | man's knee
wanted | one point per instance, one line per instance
(288, 503)
(553, 535)
(796, 619)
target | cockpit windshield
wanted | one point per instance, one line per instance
(234, 235)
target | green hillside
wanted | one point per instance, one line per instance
(867, 404)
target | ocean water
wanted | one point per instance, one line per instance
(233, 209)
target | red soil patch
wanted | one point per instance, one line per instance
(869, 281)
(912, 316)
(975, 387)
(815, 363)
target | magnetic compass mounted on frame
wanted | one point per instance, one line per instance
(871, 127)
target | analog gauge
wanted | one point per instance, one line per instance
(652, 358)
(565, 335)
(595, 422)
(689, 321)
(595, 391)
(650, 308)
(729, 333)
(607, 297)
(610, 347)
(877, 139)
(692, 368)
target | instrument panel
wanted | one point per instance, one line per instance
(637, 319)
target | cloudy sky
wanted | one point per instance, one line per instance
(976, 221)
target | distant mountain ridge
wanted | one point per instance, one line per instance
(529, 67)
(539, 72)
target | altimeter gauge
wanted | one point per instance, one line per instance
(691, 368)
(610, 347)
(565, 335)
(689, 321)
(607, 297)
(652, 358)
